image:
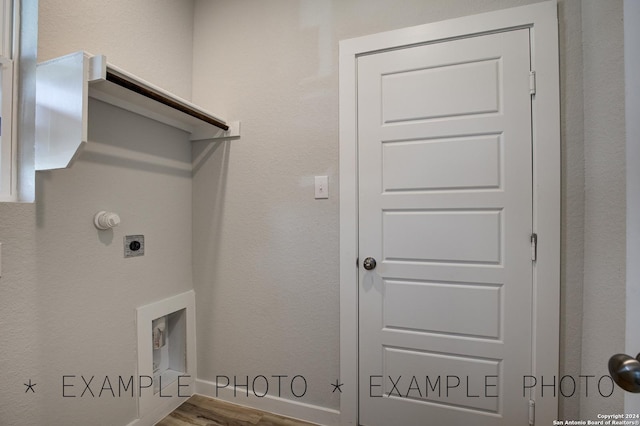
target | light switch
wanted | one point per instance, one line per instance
(322, 187)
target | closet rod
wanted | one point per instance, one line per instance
(116, 79)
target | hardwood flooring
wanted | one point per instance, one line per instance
(202, 411)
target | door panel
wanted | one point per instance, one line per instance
(460, 89)
(431, 165)
(445, 207)
(412, 305)
(452, 236)
(441, 388)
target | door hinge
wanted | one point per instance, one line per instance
(534, 247)
(532, 412)
(357, 262)
(532, 83)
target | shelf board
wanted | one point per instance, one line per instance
(63, 86)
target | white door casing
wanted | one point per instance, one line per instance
(541, 23)
(445, 192)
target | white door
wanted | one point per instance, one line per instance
(445, 209)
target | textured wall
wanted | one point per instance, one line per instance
(19, 357)
(67, 296)
(632, 128)
(149, 38)
(265, 252)
(87, 292)
(573, 171)
(274, 66)
(603, 323)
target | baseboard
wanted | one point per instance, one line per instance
(273, 404)
(159, 412)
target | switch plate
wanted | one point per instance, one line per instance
(322, 187)
(133, 245)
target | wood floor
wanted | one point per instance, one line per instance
(202, 411)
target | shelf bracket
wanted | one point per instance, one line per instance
(232, 133)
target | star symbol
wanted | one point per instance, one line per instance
(336, 386)
(30, 387)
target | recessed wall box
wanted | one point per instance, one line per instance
(166, 355)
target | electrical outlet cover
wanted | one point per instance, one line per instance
(133, 245)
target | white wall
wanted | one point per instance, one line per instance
(266, 252)
(150, 38)
(632, 127)
(573, 172)
(603, 321)
(67, 295)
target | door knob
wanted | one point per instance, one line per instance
(625, 371)
(369, 263)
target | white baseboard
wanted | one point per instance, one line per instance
(159, 412)
(272, 404)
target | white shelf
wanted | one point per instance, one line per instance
(64, 85)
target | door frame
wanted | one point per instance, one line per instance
(541, 19)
